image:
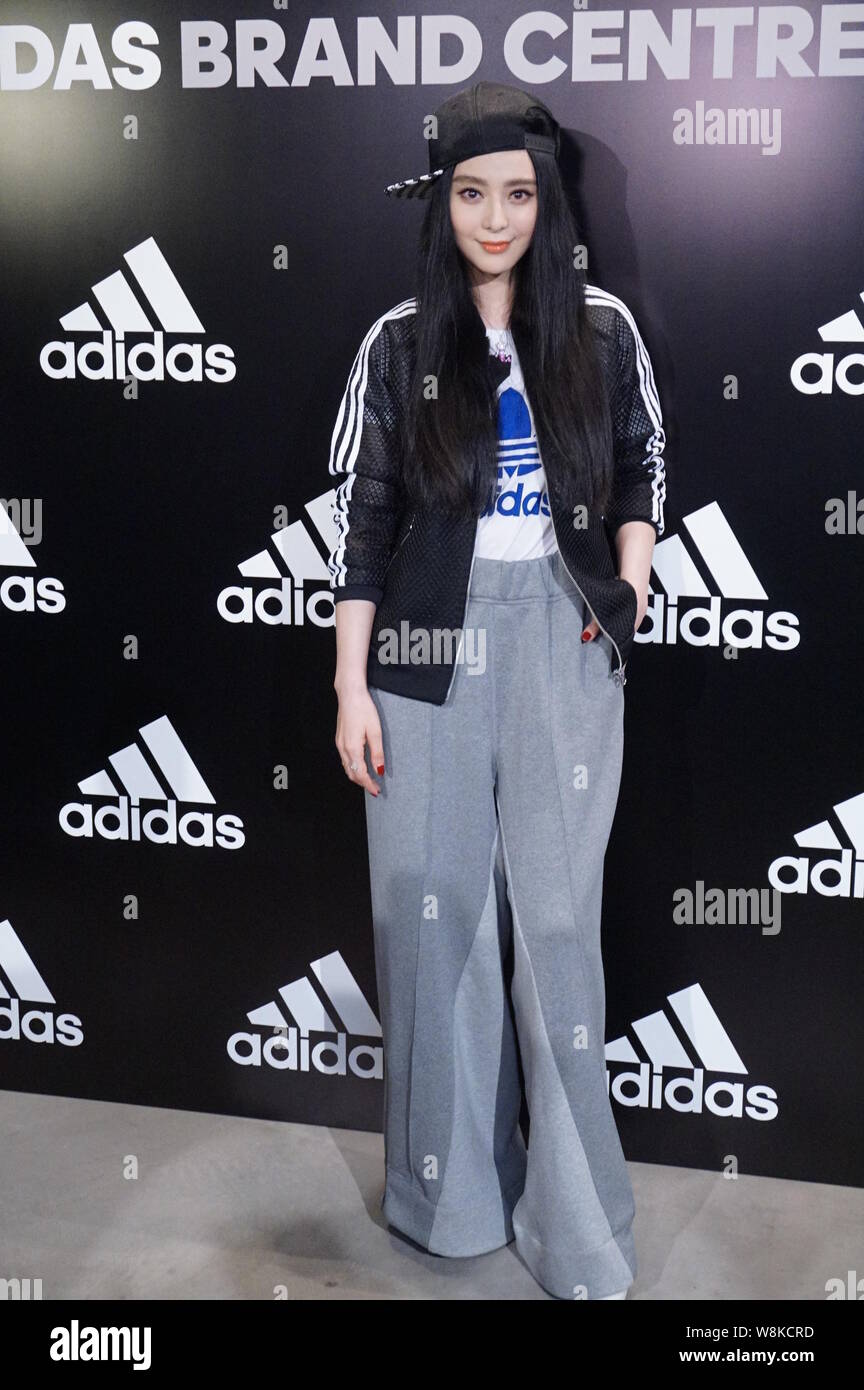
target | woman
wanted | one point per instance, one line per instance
(502, 446)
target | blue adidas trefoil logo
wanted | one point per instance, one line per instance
(518, 458)
(515, 498)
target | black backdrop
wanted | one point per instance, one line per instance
(128, 967)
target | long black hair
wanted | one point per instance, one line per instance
(450, 423)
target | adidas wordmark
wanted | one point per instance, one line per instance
(301, 1012)
(841, 873)
(824, 371)
(150, 302)
(37, 1025)
(24, 593)
(135, 781)
(285, 601)
(649, 1088)
(713, 623)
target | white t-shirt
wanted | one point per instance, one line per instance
(519, 527)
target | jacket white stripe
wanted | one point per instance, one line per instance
(348, 430)
(648, 388)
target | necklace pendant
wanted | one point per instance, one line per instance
(499, 346)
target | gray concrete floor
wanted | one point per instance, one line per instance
(228, 1208)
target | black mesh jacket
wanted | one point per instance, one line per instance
(415, 565)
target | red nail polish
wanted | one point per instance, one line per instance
(586, 635)
(380, 770)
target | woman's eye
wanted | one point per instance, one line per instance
(523, 194)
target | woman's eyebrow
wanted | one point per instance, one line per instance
(511, 183)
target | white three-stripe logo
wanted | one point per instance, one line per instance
(17, 967)
(295, 546)
(706, 1033)
(719, 547)
(848, 328)
(850, 814)
(302, 1003)
(123, 308)
(134, 776)
(13, 551)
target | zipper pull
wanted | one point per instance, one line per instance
(619, 677)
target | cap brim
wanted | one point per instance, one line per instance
(413, 188)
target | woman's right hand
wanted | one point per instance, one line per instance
(357, 724)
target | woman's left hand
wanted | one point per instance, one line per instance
(634, 542)
(591, 629)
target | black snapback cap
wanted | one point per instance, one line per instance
(479, 120)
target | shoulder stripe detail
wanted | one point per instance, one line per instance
(347, 433)
(345, 441)
(594, 295)
(648, 388)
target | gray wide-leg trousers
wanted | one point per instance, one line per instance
(486, 854)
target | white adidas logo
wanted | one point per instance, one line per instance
(26, 985)
(151, 302)
(135, 781)
(704, 624)
(848, 328)
(830, 877)
(23, 593)
(295, 548)
(344, 1010)
(666, 1051)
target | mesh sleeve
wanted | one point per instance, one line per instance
(365, 447)
(639, 485)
